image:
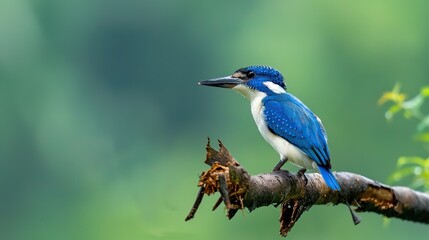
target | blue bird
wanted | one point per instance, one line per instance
(285, 122)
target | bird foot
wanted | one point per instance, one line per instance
(356, 219)
(301, 174)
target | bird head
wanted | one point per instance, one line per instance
(251, 80)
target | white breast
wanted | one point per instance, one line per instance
(283, 147)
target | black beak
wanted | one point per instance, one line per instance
(224, 82)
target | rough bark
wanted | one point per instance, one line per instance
(298, 192)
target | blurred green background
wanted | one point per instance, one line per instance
(103, 126)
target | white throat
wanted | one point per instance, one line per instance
(248, 93)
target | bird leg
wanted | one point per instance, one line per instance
(280, 164)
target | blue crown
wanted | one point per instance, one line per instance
(266, 71)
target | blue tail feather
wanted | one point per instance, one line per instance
(329, 178)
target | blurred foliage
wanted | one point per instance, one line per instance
(103, 126)
(416, 168)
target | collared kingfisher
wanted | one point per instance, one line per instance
(285, 122)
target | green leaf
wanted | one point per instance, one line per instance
(423, 137)
(413, 103)
(400, 174)
(392, 111)
(394, 96)
(411, 160)
(425, 92)
(423, 124)
(414, 168)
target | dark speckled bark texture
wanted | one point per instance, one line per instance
(298, 192)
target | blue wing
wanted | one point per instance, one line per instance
(289, 118)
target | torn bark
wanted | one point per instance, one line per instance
(299, 192)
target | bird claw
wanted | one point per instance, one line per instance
(301, 175)
(356, 219)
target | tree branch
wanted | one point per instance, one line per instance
(299, 192)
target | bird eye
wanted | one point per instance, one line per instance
(244, 74)
(250, 75)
